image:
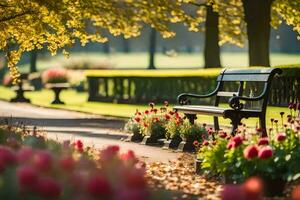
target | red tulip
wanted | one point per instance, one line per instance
(7, 156)
(265, 152)
(27, 178)
(250, 152)
(205, 143)
(67, 163)
(135, 178)
(137, 119)
(263, 141)
(280, 137)
(129, 156)
(49, 188)
(109, 153)
(42, 161)
(99, 187)
(222, 134)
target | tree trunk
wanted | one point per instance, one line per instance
(126, 45)
(33, 59)
(106, 48)
(258, 17)
(211, 46)
(152, 47)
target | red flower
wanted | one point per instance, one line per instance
(27, 178)
(263, 141)
(109, 153)
(24, 154)
(129, 156)
(230, 145)
(253, 189)
(280, 137)
(49, 188)
(99, 187)
(196, 143)
(265, 152)
(250, 152)
(171, 112)
(137, 119)
(67, 162)
(232, 192)
(79, 144)
(42, 161)
(235, 142)
(166, 103)
(222, 134)
(147, 112)
(168, 117)
(7, 156)
(205, 143)
(145, 125)
(155, 110)
(296, 193)
(156, 119)
(135, 178)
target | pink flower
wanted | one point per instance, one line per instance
(253, 189)
(263, 141)
(250, 152)
(67, 163)
(195, 143)
(205, 143)
(265, 152)
(49, 188)
(222, 134)
(99, 187)
(280, 137)
(27, 178)
(24, 154)
(43, 161)
(109, 153)
(129, 156)
(135, 178)
(168, 117)
(232, 192)
(7, 156)
(137, 119)
(238, 140)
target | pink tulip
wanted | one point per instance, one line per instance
(265, 152)
(263, 141)
(42, 161)
(27, 178)
(250, 152)
(99, 187)
(49, 188)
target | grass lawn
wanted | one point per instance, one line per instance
(78, 102)
(140, 60)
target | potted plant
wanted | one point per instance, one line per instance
(56, 79)
(133, 127)
(190, 133)
(274, 159)
(173, 137)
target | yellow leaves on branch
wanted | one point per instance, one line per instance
(33, 24)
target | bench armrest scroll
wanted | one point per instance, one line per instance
(183, 98)
(234, 102)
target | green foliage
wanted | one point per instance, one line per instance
(186, 129)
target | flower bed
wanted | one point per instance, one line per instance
(275, 158)
(32, 167)
(55, 75)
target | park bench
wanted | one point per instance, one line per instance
(236, 110)
(22, 87)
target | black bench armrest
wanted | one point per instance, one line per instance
(234, 102)
(183, 100)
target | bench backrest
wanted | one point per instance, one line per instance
(262, 75)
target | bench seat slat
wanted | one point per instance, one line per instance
(226, 94)
(244, 77)
(213, 110)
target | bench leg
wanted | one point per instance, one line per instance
(191, 118)
(235, 121)
(216, 123)
(262, 124)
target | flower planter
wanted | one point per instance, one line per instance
(187, 144)
(273, 187)
(198, 166)
(135, 137)
(172, 143)
(150, 140)
(57, 88)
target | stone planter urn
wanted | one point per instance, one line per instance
(57, 88)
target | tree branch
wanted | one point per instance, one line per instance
(3, 19)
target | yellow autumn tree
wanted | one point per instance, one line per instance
(33, 24)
